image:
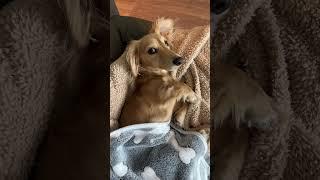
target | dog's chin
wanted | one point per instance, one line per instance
(173, 68)
(170, 69)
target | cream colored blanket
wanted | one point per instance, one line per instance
(194, 46)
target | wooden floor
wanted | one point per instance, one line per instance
(189, 13)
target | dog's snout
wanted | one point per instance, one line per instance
(177, 61)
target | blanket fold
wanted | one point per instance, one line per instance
(278, 40)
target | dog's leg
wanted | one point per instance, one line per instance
(184, 95)
(180, 116)
(188, 95)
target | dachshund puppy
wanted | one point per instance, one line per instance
(153, 65)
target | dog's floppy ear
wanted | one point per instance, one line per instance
(163, 26)
(132, 57)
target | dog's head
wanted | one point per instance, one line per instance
(154, 50)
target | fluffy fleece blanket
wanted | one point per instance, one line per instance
(193, 46)
(31, 52)
(156, 151)
(280, 41)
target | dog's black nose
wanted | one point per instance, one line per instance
(219, 6)
(177, 61)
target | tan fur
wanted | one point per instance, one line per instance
(157, 91)
(137, 54)
(162, 26)
(154, 99)
(240, 103)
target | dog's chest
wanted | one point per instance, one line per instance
(157, 88)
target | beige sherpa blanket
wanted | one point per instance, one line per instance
(193, 46)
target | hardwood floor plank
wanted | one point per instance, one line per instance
(189, 13)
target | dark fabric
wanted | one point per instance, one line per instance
(75, 146)
(35, 109)
(113, 8)
(4, 2)
(33, 58)
(124, 29)
(278, 40)
(31, 55)
(220, 6)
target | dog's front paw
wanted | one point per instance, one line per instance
(192, 98)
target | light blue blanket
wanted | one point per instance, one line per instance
(158, 151)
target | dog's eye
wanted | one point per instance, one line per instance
(152, 50)
(166, 42)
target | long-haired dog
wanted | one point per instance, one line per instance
(157, 95)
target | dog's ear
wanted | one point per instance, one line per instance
(162, 26)
(132, 57)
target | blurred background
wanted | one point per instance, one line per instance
(189, 13)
